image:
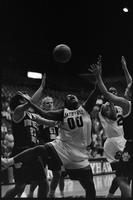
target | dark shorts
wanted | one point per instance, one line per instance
(125, 168)
(64, 174)
(53, 160)
(79, 174)
(114, 165)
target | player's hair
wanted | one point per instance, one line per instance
(112, 89)
(15, 101)
(45, 99)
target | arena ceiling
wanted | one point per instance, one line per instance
(31, 30)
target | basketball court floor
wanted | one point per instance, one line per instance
(73, 188)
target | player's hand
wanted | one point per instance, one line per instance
(43, 83)
(123, 61)
(25, 96)
(95, 69)
(99, 60)
(18, 165)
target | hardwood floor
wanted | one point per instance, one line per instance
(73, 188)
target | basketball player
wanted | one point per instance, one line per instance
(48, 134)
(25, 130)
(70, 147)
(125, 102)
(120, 118)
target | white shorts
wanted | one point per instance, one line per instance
(71, 157)
(112, 145)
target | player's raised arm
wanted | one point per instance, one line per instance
(42, 121)
(56, 115)
(18, 106)
(126, 72)
(91, 100)
(120, 101)
(128, 90)
(40, 91)
(19, 111)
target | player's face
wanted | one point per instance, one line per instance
(71, 101)
(113, 91)
(107, 110)
(48, 104)
(9, 141)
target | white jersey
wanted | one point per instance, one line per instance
(112, 128)
(74, 137)
(115, 134)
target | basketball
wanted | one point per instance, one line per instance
(62, 53)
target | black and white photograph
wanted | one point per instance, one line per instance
(66, 99)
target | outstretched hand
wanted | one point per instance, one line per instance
(123, 61)
(25, 96)
(99, 60)
(96, 69)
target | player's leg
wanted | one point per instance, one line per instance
(26, 156)
(32, 188)
(124, 187)
(114, 185)
(43, 188)
(85, 177)
(54, 164)
(19, 183)
(54, 182)
(17, 190)
(38, 175)
(62, 182)
(86, 180)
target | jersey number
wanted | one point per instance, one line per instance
(119, 120)
(77, 122)
(33, 135)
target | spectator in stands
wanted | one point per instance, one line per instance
(6, 149)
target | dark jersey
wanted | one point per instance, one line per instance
(128, 124)
(25, 132)
(47, 134)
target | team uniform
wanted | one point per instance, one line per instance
(128, 122)
(71, 147)
(68, 149)
(25, 136)
(126, 167)
(74, 137)
(48, 134)
(115, 141)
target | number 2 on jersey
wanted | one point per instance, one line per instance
(120, 120)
